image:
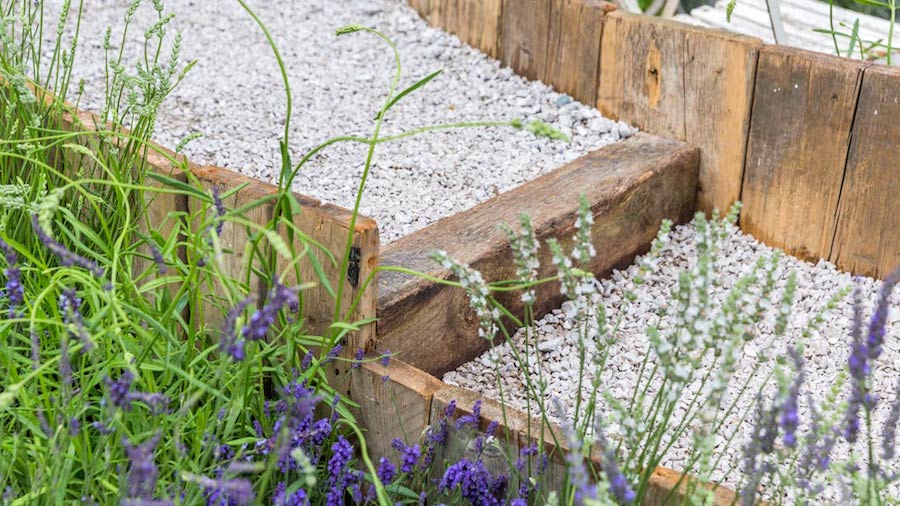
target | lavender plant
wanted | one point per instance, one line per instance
(687, 385)
(118, 385)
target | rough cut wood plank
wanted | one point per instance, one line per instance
(234, 237)
(684, 82)
(642, 73)
(631, 186)
(803, 110)
(516, 433)
(524, 36)
(329, 225)
(398, 407)
(719, 72)
(475, 22)
(573, 52)
(867, 240)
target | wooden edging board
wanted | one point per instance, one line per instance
(326, 224)
(631, 186)
(805, 139)
(400, 401)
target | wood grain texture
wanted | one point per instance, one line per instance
(867, 240)
(515, 432)
(642, 73)
(797, 149)
(475, 22)
(719, 72)
(237, 191)
(394, 401)
(525, 32)
(684, 82)
(329, 226)
(631, 186)
(573, 51)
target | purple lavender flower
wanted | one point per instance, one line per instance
(66, 257)
(386, 358)
(119, 391)
(231, 492)
(878, 322)
(491, 428)
(578, 475)
(816, 454)
(220, 210)
(863, 353)
(281, 498)
(409, 455)
(142, 471)
(70, 305)
(358, 358)
(438, 438)
(789, 417)
(158, 259)
(307, 361)
(333, 353)
(121, 396)
(341, 453)
(263, 318)
(618, 483)
(14, 291)
(230, 343)
(157, 402)
(889, 441)
(475, 483)
(470, 420)
(74, 426)
(386, 471)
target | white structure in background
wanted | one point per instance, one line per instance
(800, 17)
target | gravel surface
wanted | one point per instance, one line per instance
(826, 350)
(233, 97)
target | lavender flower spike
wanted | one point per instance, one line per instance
(14, 291)
(142, 472)
(66, 257)
(263, 318)
(878, 322)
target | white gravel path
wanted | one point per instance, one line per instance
(826, 350)
(233, 97)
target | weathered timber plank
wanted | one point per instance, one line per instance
(573, 51)
(631, 186)
(642, 73)
(475, 22)
(685, 82)
(525, 32)
(234, 237)
(667, 487)
(514, 431)
(326, 224)
(799, 136)
(329, 225)
(867, 240)
(394, 402)
(719, 72)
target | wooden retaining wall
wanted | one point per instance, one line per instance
(809, 142)
(631, 187)
(327, 224)
(399, 400)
